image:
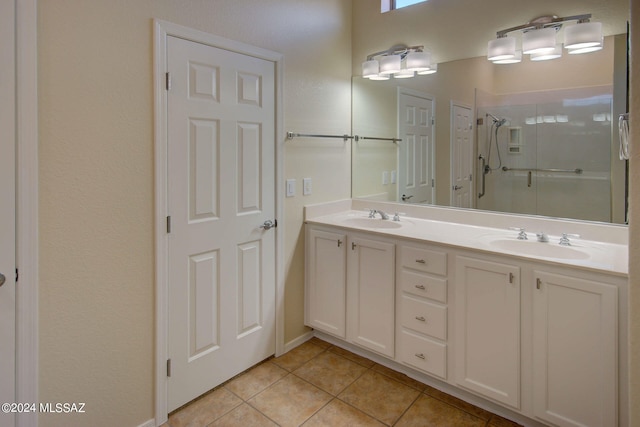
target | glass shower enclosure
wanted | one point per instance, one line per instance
(549, 153)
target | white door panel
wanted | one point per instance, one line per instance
(221, 112)
(416, 168)
(7, 209)
(461, 157)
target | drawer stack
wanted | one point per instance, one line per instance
(421, 309)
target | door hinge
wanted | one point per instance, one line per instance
(433, 183)
(168, 81)
(17, 275)
(168, 367)
(168, 224)
(433, 121)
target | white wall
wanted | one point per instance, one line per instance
(96, 178)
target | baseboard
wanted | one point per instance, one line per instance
(150, 423)
(298, 341)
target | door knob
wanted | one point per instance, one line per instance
(2, 279)
(269, 224)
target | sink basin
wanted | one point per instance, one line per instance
(532, 247)
(372, 223)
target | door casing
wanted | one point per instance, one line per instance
(162, 30)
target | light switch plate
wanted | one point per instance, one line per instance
(394, 177)
(306, 186)
(385, 178)
(291, 188)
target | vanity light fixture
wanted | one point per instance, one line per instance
(539, 39)
(545, 56)
(399, 61)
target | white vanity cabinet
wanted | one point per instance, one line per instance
(370, 294)
(350, 288)
(542, 338)
(575, 370)
(487, 334)
(421, 309)
(326, 299)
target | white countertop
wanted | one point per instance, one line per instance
(606, 257)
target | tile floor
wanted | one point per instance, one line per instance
(318, 384)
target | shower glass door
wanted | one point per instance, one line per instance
(548, 153)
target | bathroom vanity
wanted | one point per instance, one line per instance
(535, 331)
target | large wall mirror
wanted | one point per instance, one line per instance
(535, 138)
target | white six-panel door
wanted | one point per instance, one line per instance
(461, 157)
(221, 290)
(416, 163)
(7, 209)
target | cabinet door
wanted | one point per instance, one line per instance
(575, 342)
(326, 276)
(370, 294)
(487, 329)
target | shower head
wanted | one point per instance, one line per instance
(496, 121)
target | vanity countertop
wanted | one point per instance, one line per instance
(604, 257)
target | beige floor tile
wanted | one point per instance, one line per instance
(330, 372)
(352, 356)
(243, 416)
(460, 404)
(339, 414)
(205, 410)
(256, 380)
(379, 396)
(428, 411)
(398, 376)
(290, 401)
(320, 343)
(297, 357)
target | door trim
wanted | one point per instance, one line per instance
(27, 351)
(162, 30)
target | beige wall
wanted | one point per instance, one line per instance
(96, 178)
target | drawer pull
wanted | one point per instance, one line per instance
(420, 356)
(421, 318)
(421, 261)
(421, 287)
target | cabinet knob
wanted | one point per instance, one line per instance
(421, 287)
(421, 261)
(421, 318)
(420, 356)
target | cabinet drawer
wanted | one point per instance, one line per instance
(424, 354)
(424, 317)
(424, 260)
(424, 286)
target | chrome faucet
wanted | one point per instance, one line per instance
(522, 235)
(564, 240)
(373, 212)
